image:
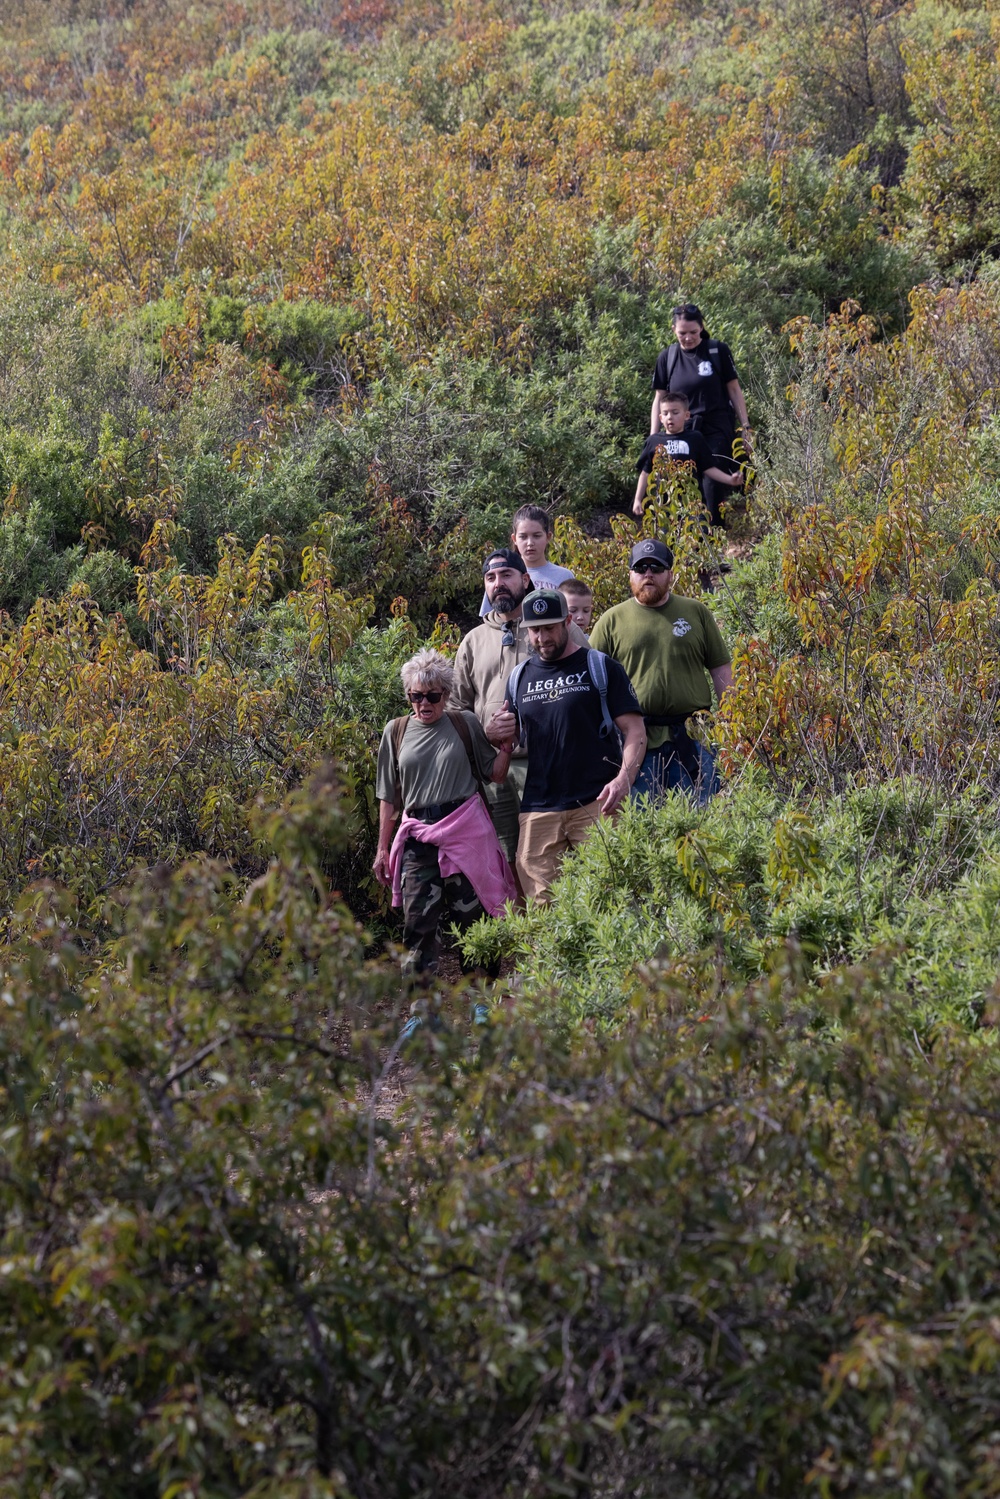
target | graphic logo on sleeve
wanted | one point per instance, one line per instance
(681, 627)
(705, 367)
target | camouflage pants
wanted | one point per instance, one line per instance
(505, 803)
(428, 899)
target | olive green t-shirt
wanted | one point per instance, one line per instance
(667, 652)
(433, 765)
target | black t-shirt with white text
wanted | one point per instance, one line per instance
(694, 375)
(684, 447)
(559, 714)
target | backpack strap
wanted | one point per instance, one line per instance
(514, 683)
(597, 665)
(462, 730)
(674, 353)
(399, 727)
(398, 730)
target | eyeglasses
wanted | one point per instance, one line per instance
(649, 567)
(425, 697)
(507, 636)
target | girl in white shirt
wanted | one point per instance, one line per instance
(531, 531)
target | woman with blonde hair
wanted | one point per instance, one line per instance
(444, 859)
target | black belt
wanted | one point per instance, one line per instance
(665, 720)
(713, 421)
(682, 746)
(434, 811)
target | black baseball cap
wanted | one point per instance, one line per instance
(504, 557)
(544, 606)
(650, 551)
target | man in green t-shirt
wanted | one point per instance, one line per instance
(673, 652)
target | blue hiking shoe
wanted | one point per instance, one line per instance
(410, 1029)
(416, 1023)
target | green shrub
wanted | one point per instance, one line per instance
(281, 497)
(751, 601)
(29, 568)
(747, 1246)
(899, 866)
(110, 582)
(47, 476)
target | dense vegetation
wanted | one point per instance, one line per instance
(300, 300)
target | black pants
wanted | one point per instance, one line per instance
(718, 431)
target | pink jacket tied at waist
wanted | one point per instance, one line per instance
(466, 844)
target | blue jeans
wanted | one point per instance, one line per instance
(661, 772)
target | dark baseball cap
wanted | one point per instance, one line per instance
(504, 557)
(650, 551)
(544, 606)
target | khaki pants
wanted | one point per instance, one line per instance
(545, 838)
(505, 804)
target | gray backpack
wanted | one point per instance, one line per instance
(597, 665)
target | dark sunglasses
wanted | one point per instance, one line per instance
(425, 697)
(507, 636)
(649, 567)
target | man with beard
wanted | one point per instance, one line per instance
(670, 647)
(580, 723)
(485, 659)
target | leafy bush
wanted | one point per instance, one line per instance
(746, 1247)
(902, 866)
(280, 497)
(301, 302)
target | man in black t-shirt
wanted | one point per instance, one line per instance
(683, 446)
(577, 771)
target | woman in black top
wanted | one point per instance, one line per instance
(702, 369)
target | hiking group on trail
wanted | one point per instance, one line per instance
(514, 753)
